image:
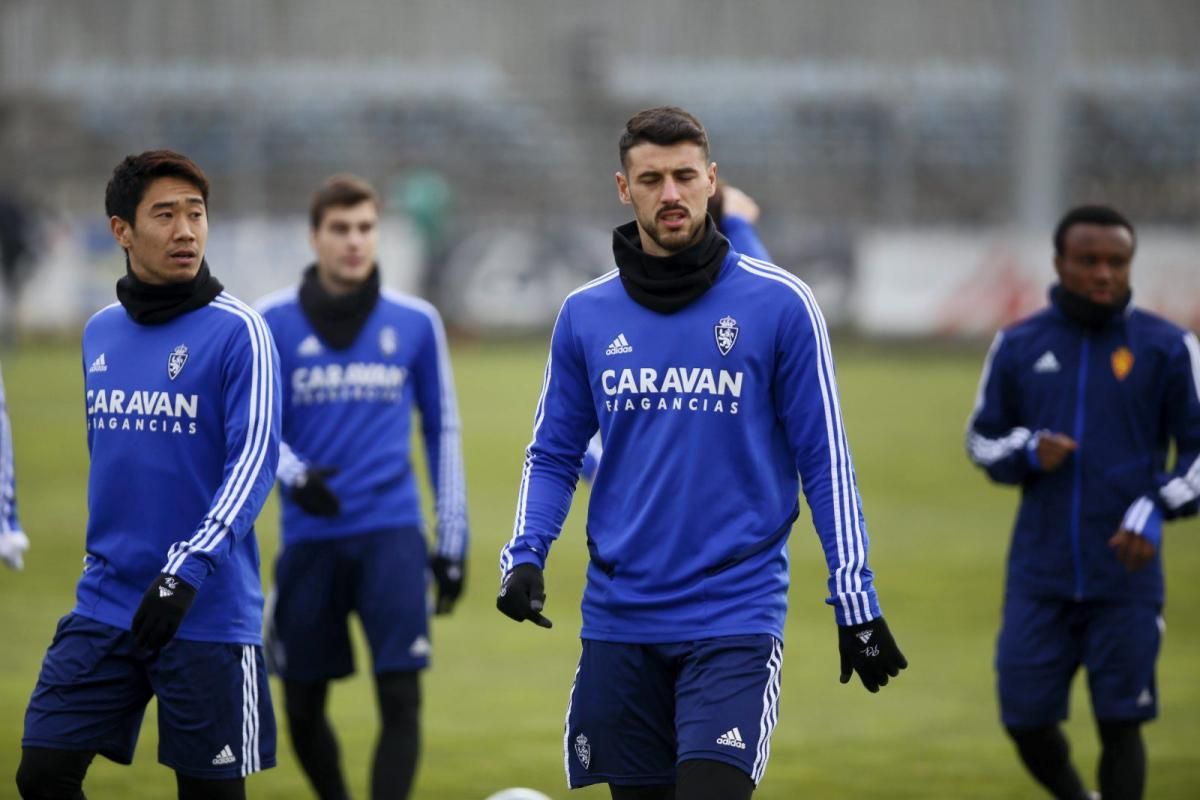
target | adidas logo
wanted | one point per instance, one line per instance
(165, 592)
(1047, 363)
(619, 345)
(224, 757)
(1145, 698)
(99, 365)
(864, 636)
(309, 346)
(732, 738)
(420, 647)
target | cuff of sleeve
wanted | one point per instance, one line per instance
(525, 555)
(1145, 519)
(855, 608)
(195, 565)
(1031, 456)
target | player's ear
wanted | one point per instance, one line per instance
(623, 188)
(712, 178)
(122, 231)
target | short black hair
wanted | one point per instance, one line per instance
(663, 125)
(1089, 215)
(134, 174)
(339, 191)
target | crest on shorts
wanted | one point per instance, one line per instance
(583, 751)
(726, 332)
(1122, 362)
(176, 360)
(387, 340)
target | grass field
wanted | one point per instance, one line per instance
(496, 694)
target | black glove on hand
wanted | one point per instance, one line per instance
(523, 595)
(869, 650)
(450, 575)
(162, 608)
(313, 495)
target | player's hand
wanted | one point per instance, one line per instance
(13, 545)
(1133, 550)
(523, 595)
(161, 611)
(1053, 449)
(450, 574)
(869, 650)
(313, 495)
(739, 204)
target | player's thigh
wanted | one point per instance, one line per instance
(1039, 649)
(727, 701)
(91, 693)
(308, 631)
(621, 716)
(391, 598)
(1121, 649)
(215, 718)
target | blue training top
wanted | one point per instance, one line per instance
(183, 432)
(707, 414)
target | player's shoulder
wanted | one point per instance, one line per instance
(596, 290)
(1033, 326)
(401, 305)
(278, 301)
(772, 285)
(1150, 324)
(233, 317)
(111, 314)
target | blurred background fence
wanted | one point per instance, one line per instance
(910, 156)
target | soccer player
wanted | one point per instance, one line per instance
(13, 541)
(736, 214)
(711, 379)
(357, 360)
(1078, 405)
(181, 388)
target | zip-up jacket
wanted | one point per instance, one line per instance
(708, 416)
(1124, 392)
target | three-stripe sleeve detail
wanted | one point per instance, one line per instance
(241, 480)
(848, 532)
(1185, 488)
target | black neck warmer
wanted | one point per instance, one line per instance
(154, 304)
(338, 318)
(1083, 311)
(668, 283)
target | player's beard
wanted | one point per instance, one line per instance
(674, 241)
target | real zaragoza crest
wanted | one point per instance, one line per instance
(583, 750)
(176, 360)
(387, 340)
(726, 332)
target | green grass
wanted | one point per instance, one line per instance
(497, 691)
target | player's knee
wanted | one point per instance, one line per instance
(1119, 733)
(305, 703)
(47, 774)
(705, 779)
(399, 697)
(205, 789)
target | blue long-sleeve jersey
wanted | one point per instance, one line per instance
(352, 410)
(707, 414)
(8, 480)
(1123, 393)
(183, 432)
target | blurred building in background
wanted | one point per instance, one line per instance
(911, 156)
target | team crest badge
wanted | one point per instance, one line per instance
(726, 332)
(387, 340)
(1122, 362)
(176, 360)
(583, 751)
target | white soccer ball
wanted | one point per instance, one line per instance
(518, 793)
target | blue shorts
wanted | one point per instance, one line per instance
(638, 710)
(215, 719)
(1043, 642)
(380, 576)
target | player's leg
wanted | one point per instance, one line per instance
(620, 727)
(727, 697)
(1037, 655)
(390, 595)
(1122, 647)
(47, 774)
(399, 745)
(309, 645)
(90, 697)
(200, 789)
(216, 723)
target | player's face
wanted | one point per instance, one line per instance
(1095, 262)
(166, 241)
(345, 243)
(668, 187)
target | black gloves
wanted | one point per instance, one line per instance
(869, 650)
(162, 608)
(450, 575)
(523, 595)
(313, 495)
